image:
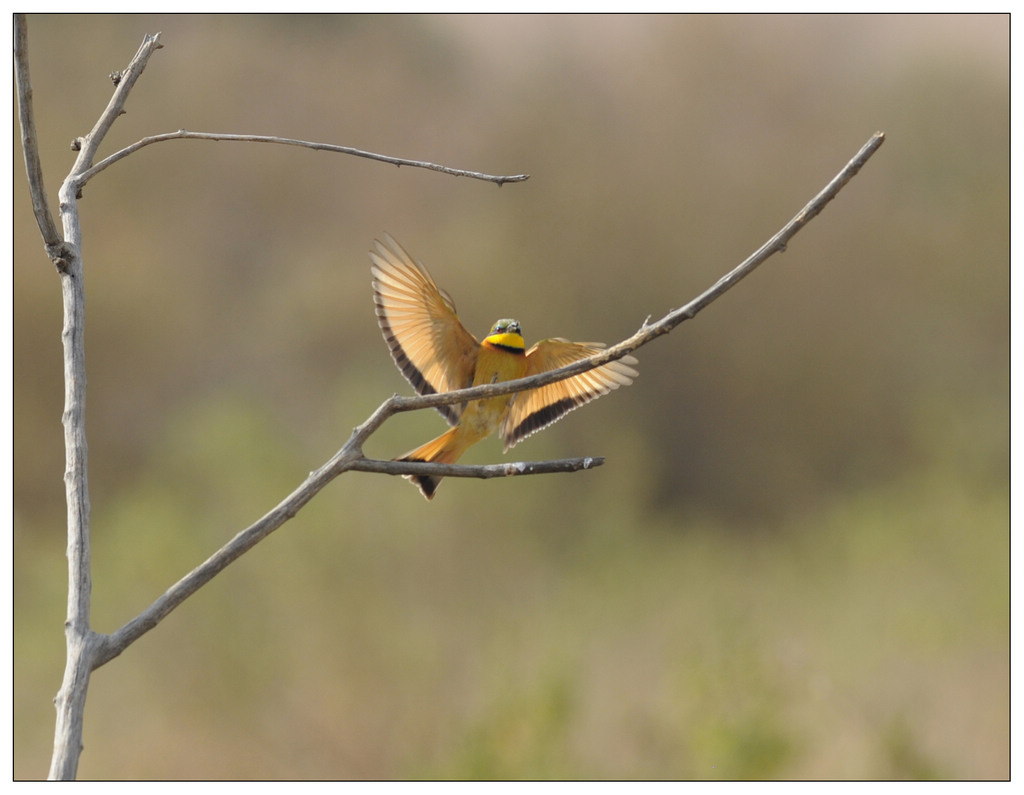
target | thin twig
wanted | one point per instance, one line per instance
(86, 648)
(271, 139)
(467, 471)
(350, 456)
(89, 144)
(29, 143)
(647, 331)
(346, 459)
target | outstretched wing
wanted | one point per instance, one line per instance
(538, 408)
(428, 343)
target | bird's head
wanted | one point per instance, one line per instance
(506, 333)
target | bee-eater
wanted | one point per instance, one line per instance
(437, 354)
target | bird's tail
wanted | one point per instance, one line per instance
(445, 449)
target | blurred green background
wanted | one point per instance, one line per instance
(795, 560)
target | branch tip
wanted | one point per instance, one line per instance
(272, 139)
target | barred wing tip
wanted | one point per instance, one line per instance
(535, 410)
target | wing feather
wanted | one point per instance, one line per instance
(431, 347)
(535, 409)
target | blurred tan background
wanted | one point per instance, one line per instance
(795, 560)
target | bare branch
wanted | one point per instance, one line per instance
(350, 456)
(647, 331)
(270, 139)
(88, 145)
(87, 649)
(30, 144)
(485, 471)
(82, 642)
(113, 645)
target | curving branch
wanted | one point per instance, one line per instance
(648, 331)
(87, 649)
(270, 139)
(26, 117)
(346, 459)
(350, 456)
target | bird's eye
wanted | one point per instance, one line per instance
(506, 326)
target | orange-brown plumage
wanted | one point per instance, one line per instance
(436, 353)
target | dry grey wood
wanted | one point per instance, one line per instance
(40, 205)
(82, 642)
(270, 139)
(351, 457)
(87, 650)
(483, 472)
(647, 331)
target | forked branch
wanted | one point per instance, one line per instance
(87, 650)
(350, 456)
(647, 331)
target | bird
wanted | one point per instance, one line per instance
(436, 353)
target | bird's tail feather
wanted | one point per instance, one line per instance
(445, 449)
